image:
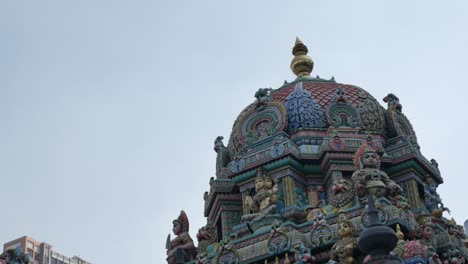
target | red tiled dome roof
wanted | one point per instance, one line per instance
(317, 98)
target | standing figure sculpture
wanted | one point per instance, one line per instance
(264, 201)
(222, 154)
(369, 179)
(181, 247)
(343, 250)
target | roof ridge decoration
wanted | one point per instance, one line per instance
(340, 112)
(303, 111)
(372, 118)
(261, 123)
(301, 64)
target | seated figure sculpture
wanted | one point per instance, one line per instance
(343, 250)
(432, 199)
(264, 201)
(369, 179)
(182, 245)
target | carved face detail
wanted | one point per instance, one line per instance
(427, 232)
(218, 144)
(259, 184)
(204, 233)
(369, 159)
(341, 186)
(344, 229)
(216, 147)
(342, 192)
(177, 228)
(432, 187)
(268, 184)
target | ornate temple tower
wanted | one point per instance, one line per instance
(292, 184)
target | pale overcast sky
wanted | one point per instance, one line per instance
(109, 109)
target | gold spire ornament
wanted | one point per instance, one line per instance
(301, 64)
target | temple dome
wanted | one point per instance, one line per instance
(306, 104)
(311, 109)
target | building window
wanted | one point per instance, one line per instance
(30, 245)
(54, 260)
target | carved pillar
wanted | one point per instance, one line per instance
(245, 209)
(288, 191)
(312, 195)
(413, 194)
(228, 220)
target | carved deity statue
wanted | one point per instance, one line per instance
(409, 249)
(369, 179)
(343, 250)
(182, 245)
(393, 102)
(264, 201)
(342, 193)
(432, 199)
(453, 256)
(263, 97)
(426, 234)
(456, 233)
(222, 157)
(206, 236)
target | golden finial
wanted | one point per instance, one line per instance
(277, 260)
(399, 234)
(301, 64)
(286, 259)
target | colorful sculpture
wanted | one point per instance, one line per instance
(453, 256)
(222, 154)
(264, 201)
(456, 233)
(343, 250)
(432, 199)
(342, 192)
(182, 245)
(206, 236)
(426, 234)
(306, 133)
(411, 251)
(393, 102)
(263, 97)
(302, 255)
(369, 179)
